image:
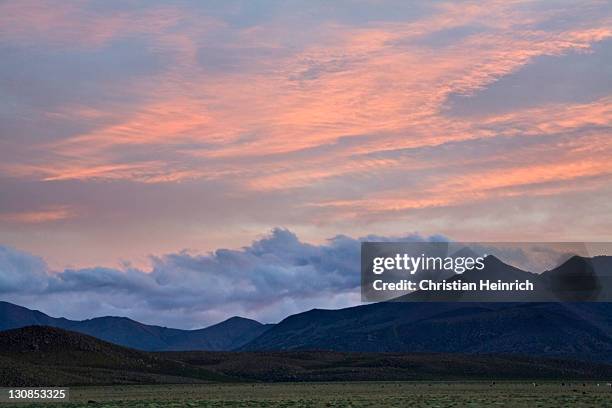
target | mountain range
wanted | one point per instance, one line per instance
(578, 330)
(227, 335)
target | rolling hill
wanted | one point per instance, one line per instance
(46, 356)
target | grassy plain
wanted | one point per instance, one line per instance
(351, 394)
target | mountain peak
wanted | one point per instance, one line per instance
(492, 260)
(495, 266)
(235, 319)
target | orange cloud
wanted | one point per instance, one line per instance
(353, 98)
(72, 24)
(46, 215)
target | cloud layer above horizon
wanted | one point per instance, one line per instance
(275, 276)
(130, 128)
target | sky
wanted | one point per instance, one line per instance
(140, 141)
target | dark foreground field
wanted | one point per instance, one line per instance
(371, 394)
(42, 356)
(105, 375)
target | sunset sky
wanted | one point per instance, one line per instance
(136, 136)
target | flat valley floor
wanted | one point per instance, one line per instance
(370, 394)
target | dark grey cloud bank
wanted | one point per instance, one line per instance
(275, 276)
(268, 280)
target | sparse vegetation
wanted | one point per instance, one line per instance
(355, 395)
(45, 356)
(41, 356)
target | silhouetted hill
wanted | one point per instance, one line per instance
(226, 335)
(14, 316)
(581, 279)
(544, 329)
(577, 330)
(41, 355)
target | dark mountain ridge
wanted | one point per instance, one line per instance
(568, 329)
(227, 335)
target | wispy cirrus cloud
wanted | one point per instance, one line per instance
(44, 215)
(308, 114)
(80, 24)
